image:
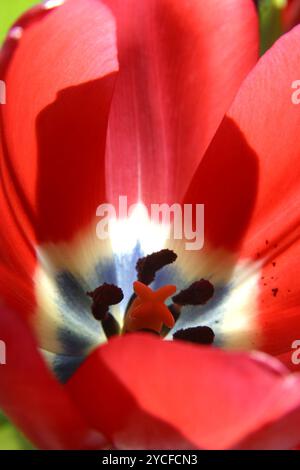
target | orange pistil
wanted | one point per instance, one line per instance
(148, 311)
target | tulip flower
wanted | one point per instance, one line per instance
(162, 101)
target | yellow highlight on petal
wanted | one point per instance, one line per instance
(239, 326)
(280, 3)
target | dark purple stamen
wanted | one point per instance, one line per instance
(148, 266)
(197, 294)
(103, 297)
(110, 325)
(198, 335)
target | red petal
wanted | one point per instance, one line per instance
(249, 183)
(291, 359)
(33, 399)
(17, 291)
(167, 395)
(181, 63)
(60, 79)
(226, 183)
(291, 14)
(260, 106)
(273, 234)
(250, 169)
(279, 316)
(17, 259)
(279, 433)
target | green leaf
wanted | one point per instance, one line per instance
(270, 22)
(10, 437)
(10, 10)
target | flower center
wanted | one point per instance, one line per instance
(149, 310)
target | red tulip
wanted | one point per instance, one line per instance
(132, 97)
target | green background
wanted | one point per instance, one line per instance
(10, 438)
(9, 12)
